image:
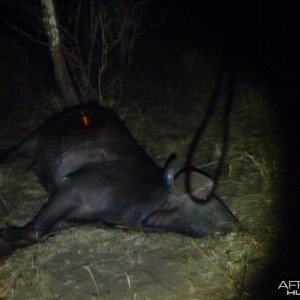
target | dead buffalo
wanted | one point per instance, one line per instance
(97, 174)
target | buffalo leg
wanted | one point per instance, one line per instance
(57, 207)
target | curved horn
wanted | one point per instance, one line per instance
(169, 169)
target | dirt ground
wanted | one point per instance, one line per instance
(163, 105)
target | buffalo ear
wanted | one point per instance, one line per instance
(199, 185)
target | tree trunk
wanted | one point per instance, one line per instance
(62, 75)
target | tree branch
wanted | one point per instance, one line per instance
(24, 33)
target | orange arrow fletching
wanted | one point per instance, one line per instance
(85, 120)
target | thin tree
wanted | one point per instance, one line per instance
(62, 75)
